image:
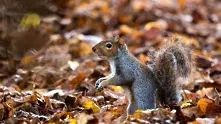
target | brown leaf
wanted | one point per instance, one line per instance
(47, 101)
(205, 104)
(152, 33)
(83, 118)
(203, 62)
(74, 81)
(105, 117)
(113, 94)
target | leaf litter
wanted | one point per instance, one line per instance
(48, 70)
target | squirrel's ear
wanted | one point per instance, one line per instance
(116, 38)
(119, 40)
(121, 43)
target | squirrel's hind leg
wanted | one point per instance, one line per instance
(144, 93)
(132, 105)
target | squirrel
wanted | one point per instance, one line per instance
(146, 86)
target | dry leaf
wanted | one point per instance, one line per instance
(91, 105)
(203, 105)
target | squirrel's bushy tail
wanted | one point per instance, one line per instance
(172, 68)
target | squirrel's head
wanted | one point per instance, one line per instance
(110, 48)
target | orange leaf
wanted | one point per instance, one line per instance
(203, 104)
(126, 29)
(77, 79)
(144, 58)
(125, 19)
(182, 4)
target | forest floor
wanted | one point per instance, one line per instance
(55, 82)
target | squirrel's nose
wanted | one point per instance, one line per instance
(94, 49)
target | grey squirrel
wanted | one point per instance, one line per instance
(146, 86)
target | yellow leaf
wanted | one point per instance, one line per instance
(138, 114)
(187, 104)
(91, 105)
(126, 29)
(51, 123)
(195, 122)
(117, 88)
(27, 60)
(73, 121)
(150, 25)
(116, 112)
(30, 20)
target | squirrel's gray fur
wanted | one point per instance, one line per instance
(146, 86)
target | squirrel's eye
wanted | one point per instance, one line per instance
(108, 45)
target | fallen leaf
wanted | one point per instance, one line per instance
(30, 20)
(203, 104)
(91, 105)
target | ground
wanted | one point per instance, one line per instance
(48, 69)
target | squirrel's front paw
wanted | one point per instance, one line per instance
(99, 87)
(98, 84)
